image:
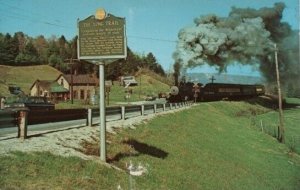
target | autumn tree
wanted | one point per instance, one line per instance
(29, 55)
(8, 49)
(41, 46)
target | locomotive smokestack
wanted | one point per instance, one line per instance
(177, 67)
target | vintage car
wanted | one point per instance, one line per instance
(31, 102)
(13, 89)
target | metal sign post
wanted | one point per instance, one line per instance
(102, 112)
(102, 39)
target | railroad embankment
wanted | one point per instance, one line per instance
(214, 145)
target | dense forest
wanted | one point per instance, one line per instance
(21, 49)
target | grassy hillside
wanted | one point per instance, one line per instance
(213, 145)
(24, 76)
(148, 84)
(269, 124)
(151, 83)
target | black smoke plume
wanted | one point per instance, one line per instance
(246, 36)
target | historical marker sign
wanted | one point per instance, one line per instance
(102, 39)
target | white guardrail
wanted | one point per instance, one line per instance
(22, 118)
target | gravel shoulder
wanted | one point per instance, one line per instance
(67, 141)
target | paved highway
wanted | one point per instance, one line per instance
(56, 126)
(43, 127)
(32, 129)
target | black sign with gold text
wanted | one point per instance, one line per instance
(102, 39)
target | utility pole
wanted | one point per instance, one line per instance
(281, 126)
(71, 64)
(212, 78)
(71, 94)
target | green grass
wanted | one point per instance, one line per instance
(293, 100)
(210, 146)
(215, 149)
(147, 85)
(45, 171)
(270, 122)
(76, 104)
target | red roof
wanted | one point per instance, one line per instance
(42, 83)
(82, 79)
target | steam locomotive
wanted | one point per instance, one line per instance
(214, 91)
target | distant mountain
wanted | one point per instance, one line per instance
(205, 78)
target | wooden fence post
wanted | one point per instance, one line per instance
(154, 108)
(22, 124)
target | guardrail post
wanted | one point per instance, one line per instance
(22, 124)
(164, 107)
(175, 105)
(142, 109)
(2, 100)
(154, 108)
(90, 118)
(123, 112)
(171, 106)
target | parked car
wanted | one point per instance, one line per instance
(129, 81)
(13, 89)
(31, 102)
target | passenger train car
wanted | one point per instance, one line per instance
(215, 91)
(219, 91)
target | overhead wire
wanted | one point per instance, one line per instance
(25, 17)
(28, 16)
(15, 7)
(34, 20)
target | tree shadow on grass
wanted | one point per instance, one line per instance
(140, 148)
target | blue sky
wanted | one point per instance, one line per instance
(152, 26)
